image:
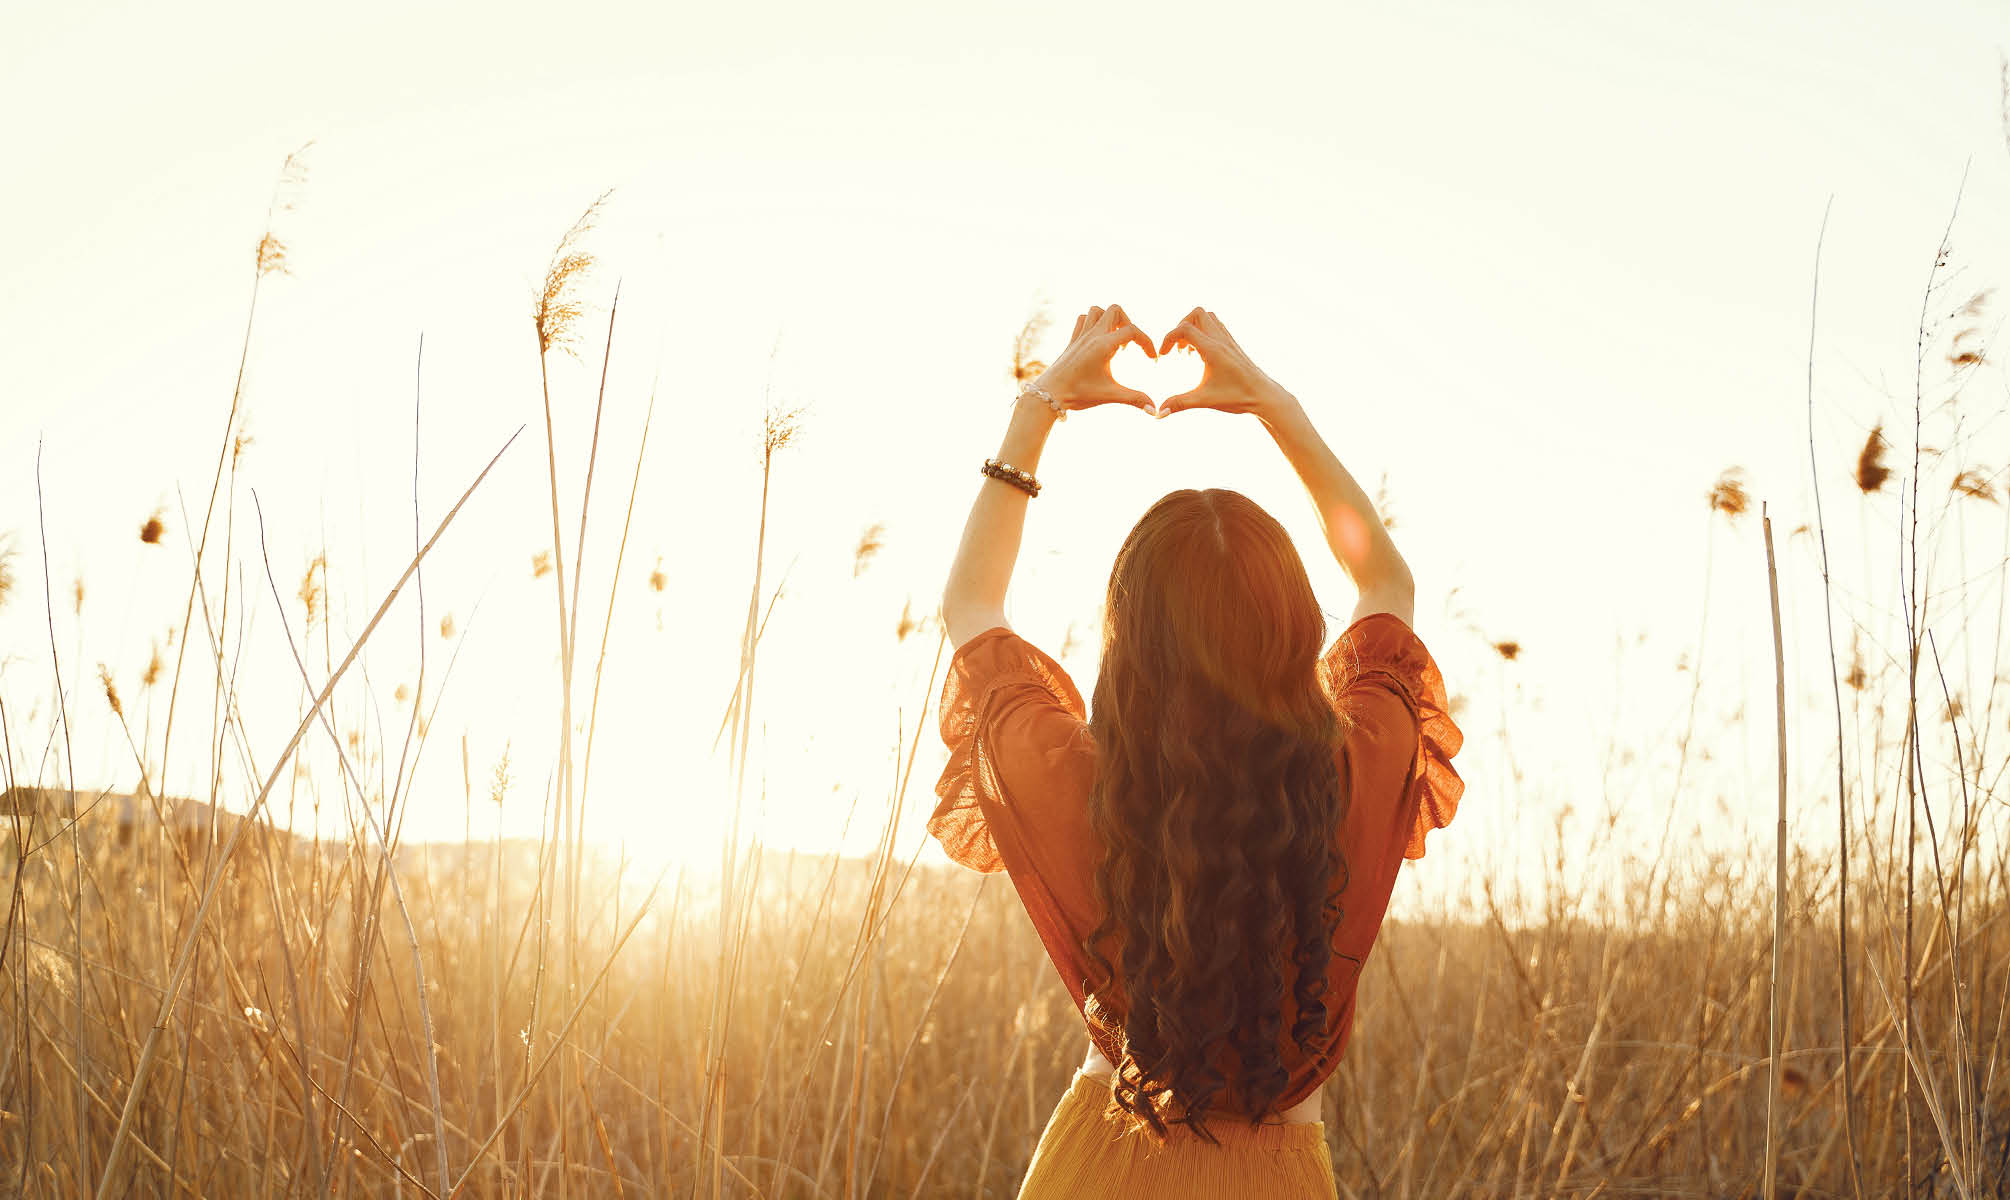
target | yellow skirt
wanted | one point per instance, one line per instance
(1085, 1155)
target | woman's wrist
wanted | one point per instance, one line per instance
(1280, 411)
(1026, 433)
(1029, 406)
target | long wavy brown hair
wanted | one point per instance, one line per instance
(1217, 801)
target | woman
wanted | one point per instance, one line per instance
(1208, 858)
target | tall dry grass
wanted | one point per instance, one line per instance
(202, 1004)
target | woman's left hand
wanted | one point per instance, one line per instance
(1080, 377)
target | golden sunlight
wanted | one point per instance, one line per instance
(609, 695)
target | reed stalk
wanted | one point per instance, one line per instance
(1776, 1027)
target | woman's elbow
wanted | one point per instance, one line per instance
(962, 621)
(1399, 577)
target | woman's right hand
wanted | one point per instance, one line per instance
(1229, 381)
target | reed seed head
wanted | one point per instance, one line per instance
(1728, 495)
(1959, 356)
(499, 781)
(1974, 483)
(780, 427)
(869, 544)
(558, 306)
(1870, 469)
(313, 591)
(152, 528)
(292, 177)
(540, 564)
(272, 255)
(1024, 366)
(111, 690)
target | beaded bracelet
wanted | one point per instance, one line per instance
(1023, 480)
(1032, 387)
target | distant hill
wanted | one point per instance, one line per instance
(108, 815)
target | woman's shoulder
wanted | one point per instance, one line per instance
(999, 656)
(1380, 643)
(1401, 736)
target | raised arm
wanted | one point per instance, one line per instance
(1233, 383)
(1356, 534)
(973, 600)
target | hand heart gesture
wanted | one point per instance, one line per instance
(1080, 377)
(1230, 381)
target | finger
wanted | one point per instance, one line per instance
(1115, 315)
(1185, 334)
(1219, 328)
(1079, 322)
(1173, 404)
(1092, 317)
(1143, 340)
(1129, 334)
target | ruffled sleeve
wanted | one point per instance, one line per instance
(1013, 721)
(1381, 651)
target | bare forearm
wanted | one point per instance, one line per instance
(1353, 529)
(975, 591)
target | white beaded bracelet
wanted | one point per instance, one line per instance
(1033, 387)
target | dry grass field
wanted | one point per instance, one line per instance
(870, 1052)
(197, 1004)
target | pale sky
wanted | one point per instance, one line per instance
(1546, 268)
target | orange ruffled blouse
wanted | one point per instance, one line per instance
(1014, 797)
